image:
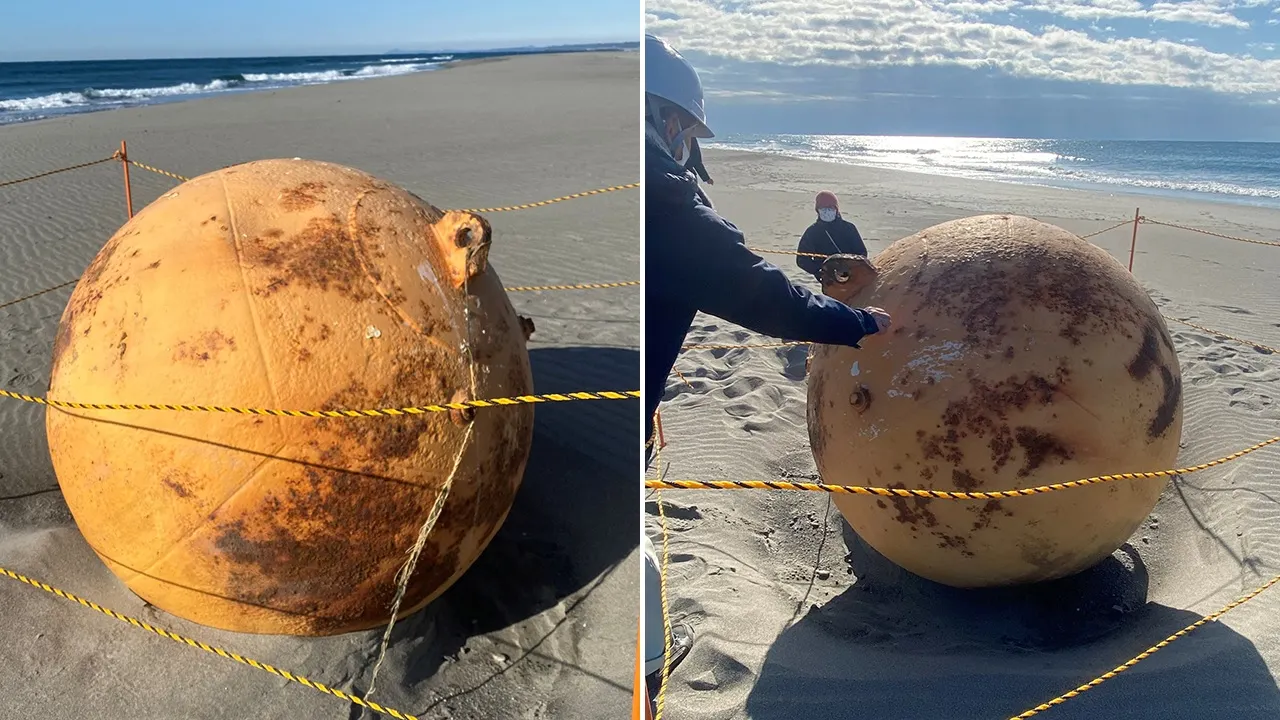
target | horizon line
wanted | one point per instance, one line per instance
(530, 46)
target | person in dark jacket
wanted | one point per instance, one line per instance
(695, 261)
(830, 234)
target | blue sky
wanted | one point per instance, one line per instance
(93, 29)
(1197, 69)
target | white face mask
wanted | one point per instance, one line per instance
(680, 146)
(827, 214)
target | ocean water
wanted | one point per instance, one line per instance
(37, 90)
(1236, 172)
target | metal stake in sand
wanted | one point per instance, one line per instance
(1134, 243)
(128, 189)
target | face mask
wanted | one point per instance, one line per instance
(827, 214)
(678, 146)
(682, 146)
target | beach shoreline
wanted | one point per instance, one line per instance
(382, 62)
(1137, 192)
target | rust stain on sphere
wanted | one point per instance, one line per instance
(1020, 356)
(298, 285)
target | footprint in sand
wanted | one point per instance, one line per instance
(1233, 309)
(674, 510)
(1222, 369)
(793, 362)
(1200, 380)
(723, 671)
(24, 381)
(743, 386)
(772, 426)
(1203, 341)
(722, 353)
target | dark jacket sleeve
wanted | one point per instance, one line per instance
(808, 243)
(721, 277)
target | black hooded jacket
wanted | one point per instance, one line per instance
(696, 260)
(838, 237)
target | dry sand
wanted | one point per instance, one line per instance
(796, 618)
(543, 625)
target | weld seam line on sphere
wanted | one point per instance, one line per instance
(1148, 652)
(380, 412)
(945, 494)
(505, 208)
(278, 672)
(91, 163)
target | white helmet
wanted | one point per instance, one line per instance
(670, 79)
(667, 75)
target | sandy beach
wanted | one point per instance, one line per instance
(543, 625)
(795, 616)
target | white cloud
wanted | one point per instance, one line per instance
(877, 33)
(1212, 13)
(774, 96)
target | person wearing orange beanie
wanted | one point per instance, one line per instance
(830, 234)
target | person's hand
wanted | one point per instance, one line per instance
(883, 321)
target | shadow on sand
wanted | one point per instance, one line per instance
(896, 646)
(574, 518)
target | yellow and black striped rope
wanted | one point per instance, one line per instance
(583, 286)
(523, 288)
(38, 293)
(158, 171)
(552, 201)
(1219, 333)
(1107, 229)
(1122, 223)
(293, 677)
(748, 345)
(29, 178)
(380, 412)
(666, 608)
(1148, 652)
(788, 252)
(1146, 220)
(943, 494)
(506, 208)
